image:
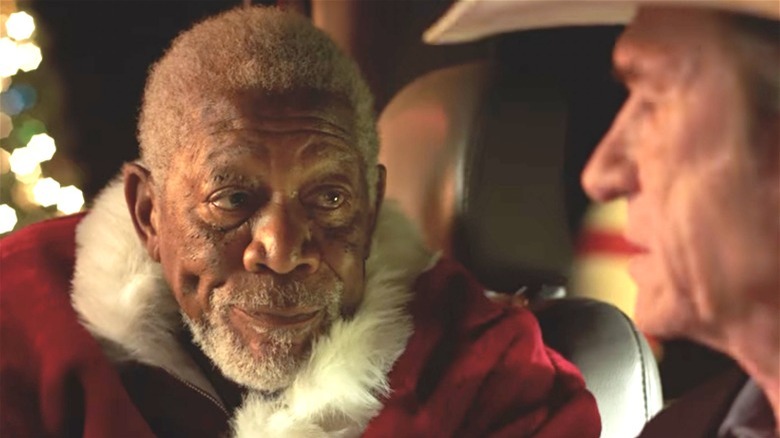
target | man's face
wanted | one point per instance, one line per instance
(702, 210)
(264, 229)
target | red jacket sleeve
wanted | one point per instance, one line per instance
(474, 368)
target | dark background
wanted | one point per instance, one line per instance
(95, 58)
(96, 55)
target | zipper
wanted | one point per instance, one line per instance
(208, 396)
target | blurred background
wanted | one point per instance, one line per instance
(73, 72)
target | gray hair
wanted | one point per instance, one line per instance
(754, 43)
(256, 49)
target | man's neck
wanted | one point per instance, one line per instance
(755, 344)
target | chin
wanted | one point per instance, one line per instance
(663, 314)
(265, 363)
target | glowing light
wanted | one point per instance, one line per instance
(9, 64)
(23, 161)
(12, 101)
(28, 56)
(4, 165)
(7, 218)
(42, 147)
(30, 178)
(6, 125)
(46, 192)
(20, 25)
(71, 200)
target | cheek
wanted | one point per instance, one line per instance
(195, 261)
(344, 251)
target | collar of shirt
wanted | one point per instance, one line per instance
(750, 415)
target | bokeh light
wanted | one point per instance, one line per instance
(6, 125)
(29, 56)
(7, 218)
(42, 147)
(5, 166)
(23, 161)
(46, 191)
(9, 64)
(12, 101)
(31, 177)
(71, 200)
(20, 25)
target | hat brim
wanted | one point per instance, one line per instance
(469, 20)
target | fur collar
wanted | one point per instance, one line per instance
(123, 300)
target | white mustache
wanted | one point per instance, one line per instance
(269, 292)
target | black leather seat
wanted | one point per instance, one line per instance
(485, 158)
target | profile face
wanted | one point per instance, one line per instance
(264, 230)
(701, 209)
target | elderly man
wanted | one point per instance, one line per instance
(224, 283)
(696, 150)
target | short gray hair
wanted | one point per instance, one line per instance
(256, 49)
(755, 44)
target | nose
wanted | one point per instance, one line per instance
(281, 242)
(611, 170)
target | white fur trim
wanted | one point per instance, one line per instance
(122, 298)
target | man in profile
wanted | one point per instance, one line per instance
(696, 152)
(245, 277)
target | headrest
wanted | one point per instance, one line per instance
(486, 157)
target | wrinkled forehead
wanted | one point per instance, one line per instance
(258, 110)
(667, 33)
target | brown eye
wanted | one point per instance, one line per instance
(328, 199)
(230, 200)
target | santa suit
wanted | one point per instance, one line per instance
(93, 345)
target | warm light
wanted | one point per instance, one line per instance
(30, 178)
(20, 26)
(7, 218)
(42, 147)
(6, 125)
(612, 215)
(5, 82)
(4, 165)
(23, 161)
(71, 200)
(9, 64)
(46, 192)
(28, 56)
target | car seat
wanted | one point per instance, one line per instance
(485, 158)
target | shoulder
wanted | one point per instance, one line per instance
(699, 412)
(482, 366)
(46, 244)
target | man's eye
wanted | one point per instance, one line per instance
(329, 199)
(230, 200)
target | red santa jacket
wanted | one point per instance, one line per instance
(426, 355)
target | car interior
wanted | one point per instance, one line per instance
(483, 142)
(482, 150)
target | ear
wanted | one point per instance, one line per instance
(381, 180)
(141, 201)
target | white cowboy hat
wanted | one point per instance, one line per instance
(469, 20)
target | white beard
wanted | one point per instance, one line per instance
(122, 298)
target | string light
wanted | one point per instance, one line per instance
(6, 125)
(28, 56)
(46, 191)
(8, 218)
(23, 161)
(42, 147)
(29, 188)
(8, 62)
(20, 25)
(71, 200)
